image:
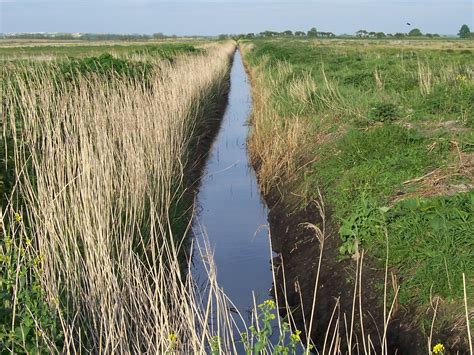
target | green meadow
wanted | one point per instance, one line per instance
(385, 130)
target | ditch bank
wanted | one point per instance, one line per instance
(339, 307)
(296, 272)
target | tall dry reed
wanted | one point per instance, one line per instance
(107, 162)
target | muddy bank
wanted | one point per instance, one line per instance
(296, 268)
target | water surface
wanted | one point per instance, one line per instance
(230, 209)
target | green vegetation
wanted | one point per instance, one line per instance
(22, 317)
(81, 49)
(288, 342)
(387, 134)
(465, 32)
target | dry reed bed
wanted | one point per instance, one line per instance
(109, 159)
(274, 142)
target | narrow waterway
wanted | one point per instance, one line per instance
(230, 210)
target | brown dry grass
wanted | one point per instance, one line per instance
(109, 158)
(275, 143)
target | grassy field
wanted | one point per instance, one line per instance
(385, 129)
(45, 50)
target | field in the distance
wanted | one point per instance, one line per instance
(38, 49)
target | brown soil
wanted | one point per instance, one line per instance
(296, 267)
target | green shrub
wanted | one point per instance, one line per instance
(360, 79)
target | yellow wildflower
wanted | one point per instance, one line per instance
(172, 337)
(461, 78)
(269, 303)
(295, 337)
(18, 217)
(439, 348)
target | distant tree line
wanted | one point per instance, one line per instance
(416, 32)
(87, 36)
(464, 32)
(313, 32)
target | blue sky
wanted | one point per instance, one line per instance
(238, 16)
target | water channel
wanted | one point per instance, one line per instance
(230, 210)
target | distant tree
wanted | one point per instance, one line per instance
(223, 36)
(361, 33)
(326, 34)
(372, 34)
(268, 34)
(158, 35)
(464, 31)
(436, 35)
(250, 35)
(287, 33)
(313, 32)
(300, 34)
(380, 35)
(415, 33)
(429, 35)
(399, 35)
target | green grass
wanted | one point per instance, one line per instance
(167, 50)
(431, 240)
(373, 163)
(383, 111)
(353, 68)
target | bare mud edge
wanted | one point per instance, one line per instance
(296, 268)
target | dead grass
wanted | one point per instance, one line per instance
(109, 158)
(275, 143)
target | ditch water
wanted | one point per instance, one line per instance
(231, 212)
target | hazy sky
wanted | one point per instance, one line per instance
(238, 16)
